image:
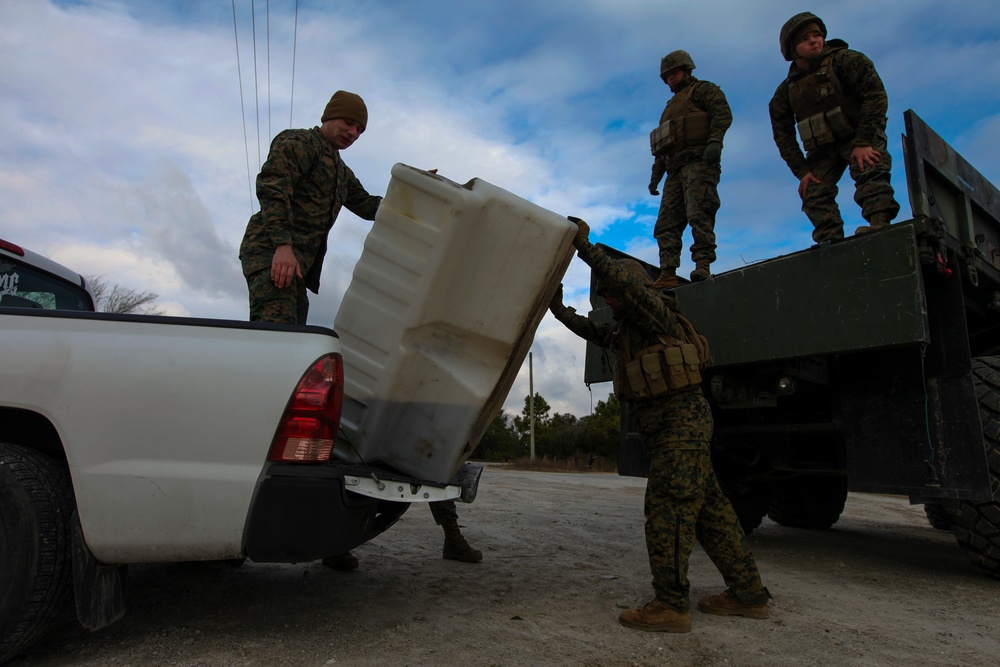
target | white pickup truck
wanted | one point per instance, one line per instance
(143, 439)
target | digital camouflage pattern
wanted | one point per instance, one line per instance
(301, 187)
(684, 503)
(683, 500)
(444, 511)
(690, 197)
(269, 303)
(690, 194)
(873, 191)
(709, 98)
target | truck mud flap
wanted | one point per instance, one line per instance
(99, 590)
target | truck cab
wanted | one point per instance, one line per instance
(29, 280)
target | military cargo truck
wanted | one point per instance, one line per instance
(870, 364)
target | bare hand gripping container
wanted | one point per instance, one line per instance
(439, 316)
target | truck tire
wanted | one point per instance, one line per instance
(809, 501)
(35, 567)
(937, 516)
(976, 525)
(750, 506)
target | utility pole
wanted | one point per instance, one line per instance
(531, 406)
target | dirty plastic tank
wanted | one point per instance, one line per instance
(439, 316)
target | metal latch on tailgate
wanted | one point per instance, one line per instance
(464, 485)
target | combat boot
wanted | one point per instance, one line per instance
(878, 221)
(455, 546)
(656, 617)
(701, 271)
(725, 604)
(344, 562)
(666, 279)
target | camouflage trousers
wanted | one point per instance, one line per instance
(684, 503)
(690, 197)
(268, 303)
(444, 511)
(872, 189)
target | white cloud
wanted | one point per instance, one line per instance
(124, 149)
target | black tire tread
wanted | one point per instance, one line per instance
(45, 486)
(976, 525)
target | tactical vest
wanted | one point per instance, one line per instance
(682, 124)
(666, 368)
(823, 113)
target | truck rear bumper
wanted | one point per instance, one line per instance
(303, 513)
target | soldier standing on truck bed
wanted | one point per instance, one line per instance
(302, 187)
(687, 146)
(658, 364)
(836, 99)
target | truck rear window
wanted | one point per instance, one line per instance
(22, 286)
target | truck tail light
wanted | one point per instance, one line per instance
(309, 425)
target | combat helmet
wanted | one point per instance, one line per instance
(791, 28)
(673, 60)
(632, 266)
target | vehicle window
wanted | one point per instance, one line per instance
(22, 286)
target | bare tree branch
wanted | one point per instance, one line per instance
(121, 300)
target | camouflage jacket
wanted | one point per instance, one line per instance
(858, 77)
(301, 188)
(681, 417)
(710, 98)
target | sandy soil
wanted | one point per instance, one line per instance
(564, 554)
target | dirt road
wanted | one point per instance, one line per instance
(564, 554)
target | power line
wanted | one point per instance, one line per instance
(295, 41)
(256, 85)
(243, 113)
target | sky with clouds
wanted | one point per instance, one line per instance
(132, 133)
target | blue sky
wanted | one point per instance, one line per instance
(125, 154)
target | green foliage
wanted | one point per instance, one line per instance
(557, 436)
(500, 442)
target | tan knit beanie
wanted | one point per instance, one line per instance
(346, 105)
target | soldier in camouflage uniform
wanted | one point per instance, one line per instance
(302, 187)
(683, 500)
(835, 98)
(687, 146)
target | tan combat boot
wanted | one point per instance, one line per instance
(701, 271)
(666, 279)
(878, 221)
(344, 562)
(724, 604)
(656, 617)
(455, 546)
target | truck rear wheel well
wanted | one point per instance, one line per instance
(33, 431)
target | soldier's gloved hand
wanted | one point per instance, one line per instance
(652, 188)
(557, 298)
(713, 152)
(582, 232)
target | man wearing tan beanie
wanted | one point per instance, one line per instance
(301, 188)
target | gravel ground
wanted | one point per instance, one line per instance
(564, 554)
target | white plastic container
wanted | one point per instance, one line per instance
(438, 318)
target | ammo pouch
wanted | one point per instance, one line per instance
(690, 129)
(661, 369)
(660, 139)
(825, 128)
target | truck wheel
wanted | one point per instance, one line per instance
(809, 501)
(937, 516)
(35, 567)
(976, 525)
(751, 506)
